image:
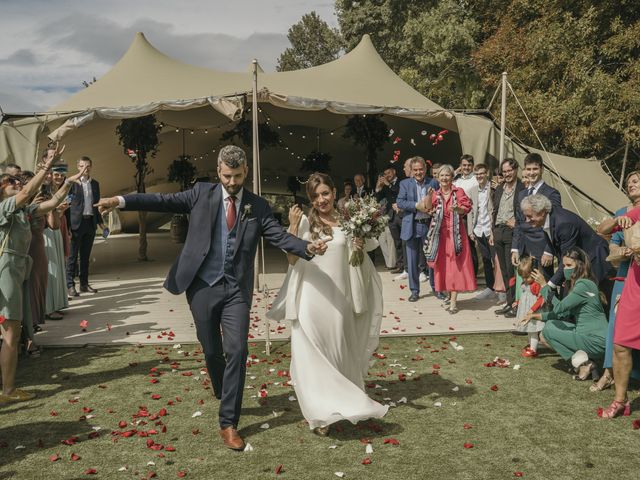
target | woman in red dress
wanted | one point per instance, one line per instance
(447, 246)
(626, 334)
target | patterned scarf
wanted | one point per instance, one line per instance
(433, 237)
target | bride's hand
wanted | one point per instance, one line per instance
(358, 243)
(295, 215)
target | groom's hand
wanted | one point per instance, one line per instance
(318, 247)
(105, 205)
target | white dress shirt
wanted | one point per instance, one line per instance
(466, 183)
(88, 195)
(483, 224)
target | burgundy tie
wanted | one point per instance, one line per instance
(231, 212)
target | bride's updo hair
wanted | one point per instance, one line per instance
(317, 227)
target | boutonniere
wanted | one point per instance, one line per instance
(246, 212)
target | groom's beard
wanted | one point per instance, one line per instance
(233, 189)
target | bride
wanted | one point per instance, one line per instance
(336, 311)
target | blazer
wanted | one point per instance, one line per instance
(76, 207)
(569, 230)
(497, 196)
(529, 240)
(389, 195)
(407, 199)
(202, 202)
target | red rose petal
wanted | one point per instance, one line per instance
(84, 324)
(468, 445)
(279, 469)
(467, 426)
(636, 424)
(74, 457)
(391, 441)
(156, 396)
(518, 474)
(366, 461)
(181, 474)
(90, 471)
(54, 458)
(494, 388)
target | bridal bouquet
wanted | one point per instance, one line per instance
(362, 218)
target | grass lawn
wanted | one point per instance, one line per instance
(536, 421)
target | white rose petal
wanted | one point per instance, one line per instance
(339, 474)
(122, 469)
(248, 448)
(368, 449)
(264, 426)
(516, 367)
(151, 464)
(177, 346)
(403, 400)
(20, 447)
(437, 404)
(455, 389)
(196, 414)
(292, 398)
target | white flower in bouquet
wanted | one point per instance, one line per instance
(362, 218)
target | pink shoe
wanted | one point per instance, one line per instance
(616, 409)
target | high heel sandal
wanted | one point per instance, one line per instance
(584, 371)
(616, 409)
(606, 381)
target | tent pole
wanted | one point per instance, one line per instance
(503, 115)
(624, 165)
(257, 189)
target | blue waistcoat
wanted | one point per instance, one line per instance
(219, 261)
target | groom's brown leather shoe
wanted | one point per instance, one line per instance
(232, 438)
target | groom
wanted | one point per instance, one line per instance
(216, 269)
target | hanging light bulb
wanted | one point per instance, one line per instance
(191, 132)
(206, 131)
(177, 130)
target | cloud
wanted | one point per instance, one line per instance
(22, 57)
(47, 49)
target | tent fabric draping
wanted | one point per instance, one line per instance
(147, 81)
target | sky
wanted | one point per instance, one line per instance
(49, 47)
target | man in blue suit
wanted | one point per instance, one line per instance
(216, 268)
(564, 230)
(416, 219)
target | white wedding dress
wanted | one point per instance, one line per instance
(336, 311)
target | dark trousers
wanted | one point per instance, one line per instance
(81, 245)
(474, 256)
(215, 308)
(394, 227)
(502, 239)
(487, 253)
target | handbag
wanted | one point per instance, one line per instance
(632, 237)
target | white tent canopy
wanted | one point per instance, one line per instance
(308, 106)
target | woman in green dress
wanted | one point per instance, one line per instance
(15, 237)
(583, 303)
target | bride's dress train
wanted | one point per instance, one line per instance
(336, 311)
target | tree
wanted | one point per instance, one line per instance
(313, 43)
(575, 68)
(139, 139)
(316, 162)
(370, 132)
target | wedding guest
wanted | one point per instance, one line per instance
(447, 246)
(15, 237)
(563, 230)
(481, 233)
(347, 189)
(465, 179)
(528, 240)
(38, 278)
(361, 190)
(577, 322)
(13, 169)
(406, 169)
(530, 302)
(617, 244)
(416, 219)
(387, 189)
(504, 222)
(56, 299)
(84, 218)
(626, 335)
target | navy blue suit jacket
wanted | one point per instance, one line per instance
(527, 239)
(569, 230)
(202, 202)
(407, 199)
(76, 207)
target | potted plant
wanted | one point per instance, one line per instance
(182, 171)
